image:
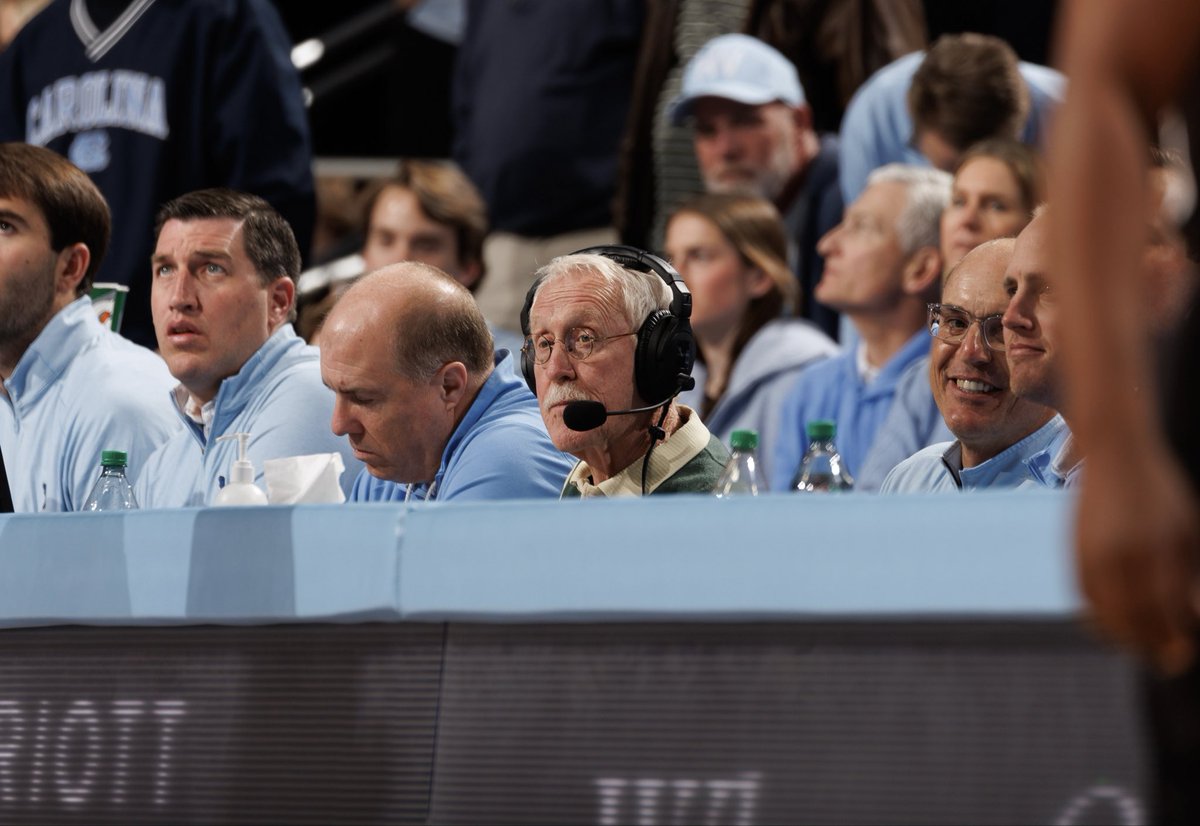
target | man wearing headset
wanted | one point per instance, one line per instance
(607, 335)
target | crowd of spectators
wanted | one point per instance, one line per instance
(879, 253)
(820, 267)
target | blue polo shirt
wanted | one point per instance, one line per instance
(500, 450)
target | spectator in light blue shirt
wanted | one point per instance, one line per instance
(996, 431)
(996, 187)
(427, 405)
(882, 266)
(71, 387)
(222, 297)
(1032, 339)
(928, 107)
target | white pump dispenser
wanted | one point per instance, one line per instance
(240, 490)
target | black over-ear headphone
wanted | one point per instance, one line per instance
(666, 348)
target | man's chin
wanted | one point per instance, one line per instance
(570, 441)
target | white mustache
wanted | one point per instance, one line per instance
(562, 393)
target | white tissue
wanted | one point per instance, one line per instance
(313, 479)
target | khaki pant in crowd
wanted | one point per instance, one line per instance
(511, 261)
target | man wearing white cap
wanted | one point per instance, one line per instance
(754, 135)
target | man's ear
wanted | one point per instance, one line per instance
(72, 265)
(451, 379)
(923, 271)
(803, 118)
(280, 297)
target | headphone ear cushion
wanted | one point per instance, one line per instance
(527, 363)
(665, 350)
(527, 366)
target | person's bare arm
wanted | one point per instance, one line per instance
(1138, 531)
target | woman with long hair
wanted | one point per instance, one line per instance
(731, 250)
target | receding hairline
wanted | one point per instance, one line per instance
(996, 246)
(608, 291)
(408, 281)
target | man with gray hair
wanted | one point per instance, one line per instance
(607, 334)
(882, 266)
(753, 134)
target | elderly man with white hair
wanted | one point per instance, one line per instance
(608, 346)
(882, 266)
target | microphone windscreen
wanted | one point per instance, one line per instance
(581, 416)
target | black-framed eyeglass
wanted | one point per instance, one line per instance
(580, 342)
(951, 324)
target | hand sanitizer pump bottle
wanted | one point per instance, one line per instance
(240, 489)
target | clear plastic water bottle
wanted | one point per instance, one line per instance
(112, 491)
(741, 476)
(821, 469)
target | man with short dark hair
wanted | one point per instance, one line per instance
(753, 134)
(928, 107)
(153, 100)
(223, 296)
(71, 387)
(428, 407)
(428, 212)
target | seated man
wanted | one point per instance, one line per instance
(429, 407)
(606, 330)
(882, 266)
(754, 135)
(996, 432)
(1032, 342)
(71, 387)
(223, 300)
(928, 107)
(1032, 327)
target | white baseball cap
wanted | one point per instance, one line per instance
(736, 67)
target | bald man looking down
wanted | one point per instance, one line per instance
(418, 393)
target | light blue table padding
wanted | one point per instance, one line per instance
(229, 566)
(1004, 554)
(775, 556)
(62, 569)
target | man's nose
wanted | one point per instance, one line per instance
(560, 366)
(183, 292)
(828, 241)
(343, 423)
(1016, 316)
(974, 347)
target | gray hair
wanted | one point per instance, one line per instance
(641, 293)
(927, 194)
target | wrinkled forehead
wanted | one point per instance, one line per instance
(216, 233)
(577, 298)
(882, 201)
(977, 282)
